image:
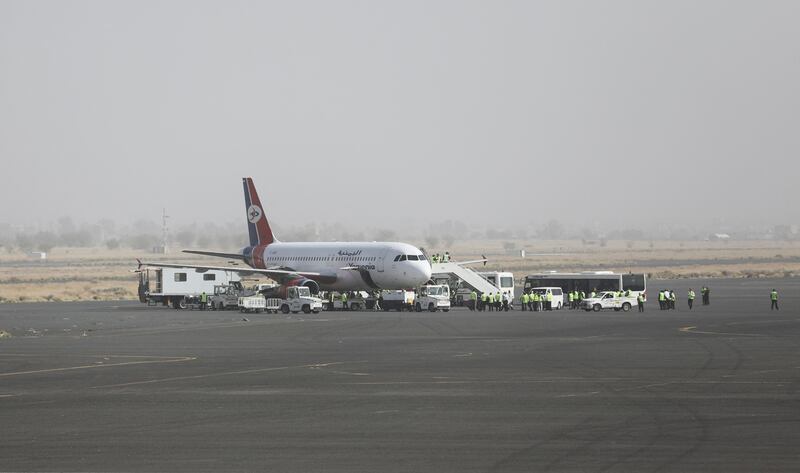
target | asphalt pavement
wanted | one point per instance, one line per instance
(127, 388)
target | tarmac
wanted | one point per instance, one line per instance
(123, 387)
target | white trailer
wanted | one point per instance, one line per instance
(255, 303)
(174, 286)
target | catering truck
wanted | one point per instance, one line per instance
(174, 286)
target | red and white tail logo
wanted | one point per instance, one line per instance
(257, 224)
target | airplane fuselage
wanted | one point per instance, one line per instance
(347, 266)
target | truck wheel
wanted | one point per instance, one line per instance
(179, 303)
(355, 306)
(306, 309)
(597, 307)
(418, 307)
(626, 307)
(285, 308)
(431, 307)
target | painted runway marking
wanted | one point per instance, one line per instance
(152, 360)
(691, 329)
(225, 373)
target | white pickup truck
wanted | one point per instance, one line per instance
(608, 300)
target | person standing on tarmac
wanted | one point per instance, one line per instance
(473, 300)
(773, 297)
(662, 298)
(203, 300)
(640, 301)
(446, 257)
(523, 301)
(505, 301)
(498, 301)
(484, 298)
(344, 300)
(691, 298)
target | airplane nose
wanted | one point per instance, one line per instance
(425, 272)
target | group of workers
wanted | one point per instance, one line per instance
(536, 301)
(437, 258)
(497, 301)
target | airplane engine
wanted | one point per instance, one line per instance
(305, 282)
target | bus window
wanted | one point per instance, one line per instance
(633, 282)
(506, 281)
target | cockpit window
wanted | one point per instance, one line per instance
(422, 257)
(413, 257)
(402, 257)
(397, 258)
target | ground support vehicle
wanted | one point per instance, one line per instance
(432, 298)
(255, 303)
(355, 301)
(225, 297)
(397, 300)
(173, 286)
(608, 300)
(298, 298)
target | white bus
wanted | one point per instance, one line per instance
(589, 281)
(501, 279)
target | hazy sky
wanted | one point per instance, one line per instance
(400, 112)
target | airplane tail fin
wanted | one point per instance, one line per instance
(257, 225)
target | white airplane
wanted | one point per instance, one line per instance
(337, 266)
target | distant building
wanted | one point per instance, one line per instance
(719, 236)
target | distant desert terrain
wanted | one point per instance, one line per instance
(71, 274)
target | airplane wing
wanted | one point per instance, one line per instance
(276, 274)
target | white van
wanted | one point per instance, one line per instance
(558, 296)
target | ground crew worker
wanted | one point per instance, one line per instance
(640, 301)
(473, 300)
(583, 296)
(531, 304)
(523, 299)
(203, 300)
(707, 297)
(549, 301)
(343, 298)
(498, 298)
(691, 298)
(773, 296)
(484, 299)
(435, 258)
(446, 258)
(571, 298)
(505, 301)
(662, 298)
(593, 294)
(672, 298)
(540, 302)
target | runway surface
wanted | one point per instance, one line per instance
(123, 387)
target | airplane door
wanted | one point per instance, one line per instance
(379, 263)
